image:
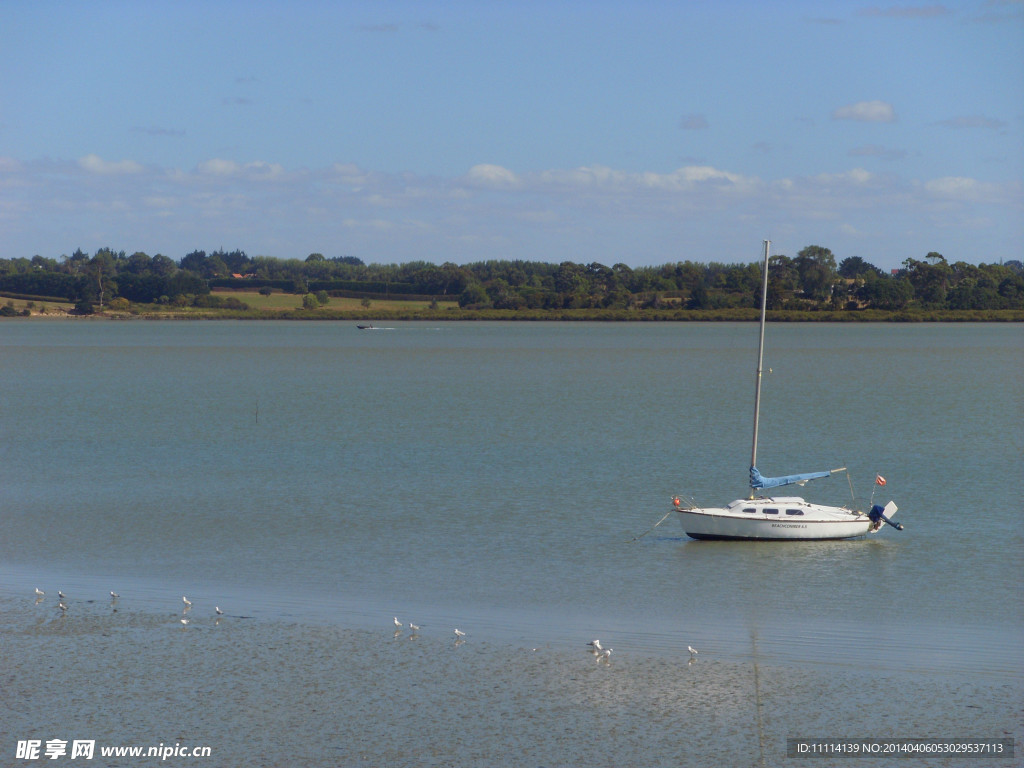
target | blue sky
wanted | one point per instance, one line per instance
(641, 132)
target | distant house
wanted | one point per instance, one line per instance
(238, 276)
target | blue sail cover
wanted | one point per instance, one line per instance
(757, 480)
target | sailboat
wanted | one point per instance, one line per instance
(779, 517)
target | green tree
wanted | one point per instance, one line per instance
(888, 293)
(1011, 291)
(102, 269)
(783, 279)
(570, 278)
(78, 261)
(45, 265)
(139, 263)
(853, 267)
(474, 295)
(162, 265)
(931, 281)
(817, 269)
(216, 266)
(196, 262)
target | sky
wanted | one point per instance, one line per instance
(643, 132)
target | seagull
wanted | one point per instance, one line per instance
(218, 610)
(398, 623)
(114, 595)
(186, 601)
(39, 592)
(596, 645)
(184, 622)
(692, 650)
(63, 608)
(459, 633)
(606, 655)
(61, 595)
(414, 627)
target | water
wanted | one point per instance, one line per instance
(497, 477)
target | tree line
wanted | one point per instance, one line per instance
(811, 280)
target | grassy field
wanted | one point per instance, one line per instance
(288, 301)
(40, 306)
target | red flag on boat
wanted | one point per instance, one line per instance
(879, 480)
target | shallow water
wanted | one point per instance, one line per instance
(273, 693)
(504, 478)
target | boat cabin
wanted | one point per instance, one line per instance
(783, 506)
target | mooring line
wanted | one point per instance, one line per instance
(637, 538)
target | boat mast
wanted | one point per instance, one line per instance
(760, 358)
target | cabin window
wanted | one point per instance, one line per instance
(749, 509)
(794, 511)
(771, 511)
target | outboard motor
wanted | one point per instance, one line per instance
(879, 515)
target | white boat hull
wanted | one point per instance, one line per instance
(783, 518)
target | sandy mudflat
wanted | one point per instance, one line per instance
(262, 693)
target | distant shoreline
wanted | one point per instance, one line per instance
(20, 306)
(570, 315)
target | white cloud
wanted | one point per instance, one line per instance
(696, 173)
(350, 173)
(218, 167)
(264, 170)
(866, 112)
(602, 177)
(96, 164)
(584, 213)
(255, 170)
(856, 176)
(492, 176)
(588, 176)
(958, 188)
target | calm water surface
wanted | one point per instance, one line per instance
(498, 476)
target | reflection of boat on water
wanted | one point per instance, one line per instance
(779, 517)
